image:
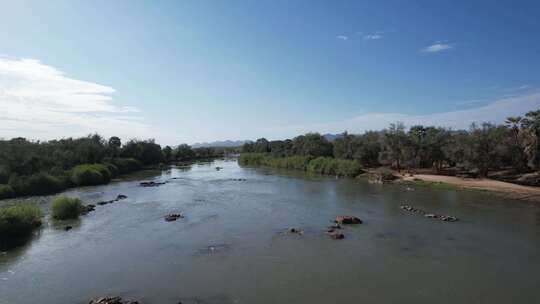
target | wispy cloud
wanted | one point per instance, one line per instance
(495, 111)
(39, 101)
(437, 47)
(342, 37)
(372, 37)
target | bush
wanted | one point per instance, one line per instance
(90, 174)
(64, 208)
(37, 184)
(6, 191)
(126, 165)
(331, 166)
(19, 220)
(112, 168)
(320, 165)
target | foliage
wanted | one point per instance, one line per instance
(19, 220)
(481, 149)
(126, 165)
(320, 165)
(6, 191)
(90, 174)
(64, 208)
(38, 184)
(332, 166)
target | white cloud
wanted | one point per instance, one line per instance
(40, 102)
(372, 37)
(342, 37)
(437, 47)
(495, 112)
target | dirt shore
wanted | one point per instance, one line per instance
(509, 190)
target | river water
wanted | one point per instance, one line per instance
(232, 247)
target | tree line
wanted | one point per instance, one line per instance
(35, 167)
(514, 146)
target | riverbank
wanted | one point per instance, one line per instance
(508, 190)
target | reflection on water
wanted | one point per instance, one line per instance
(233, 244)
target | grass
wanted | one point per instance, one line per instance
(434, 185)
(19, 220)
(64, 208)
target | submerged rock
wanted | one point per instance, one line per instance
(105, 202)
(151, 184)
(121, 197)
(173, 217)
(112, 300)
(88, 208)
(445, 218)
(336, 235)
(347, 219)
(295, 231)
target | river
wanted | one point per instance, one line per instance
(232, 245)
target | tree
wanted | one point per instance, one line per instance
(114, 145)
(395, 143)
(531, 126)
(517, 152)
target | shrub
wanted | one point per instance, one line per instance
(37, 184)
(64, 207)
(320, 165)
(19, 220)
(90, 174)
(126, 165)
(6, 191)
(332, 166)
(112, 168)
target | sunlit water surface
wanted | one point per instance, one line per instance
(231, 246)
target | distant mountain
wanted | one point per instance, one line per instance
(225, 143)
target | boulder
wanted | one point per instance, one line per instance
(67, 228)
(121, 197)
(347, 219)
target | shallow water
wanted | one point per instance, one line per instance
(231, 246)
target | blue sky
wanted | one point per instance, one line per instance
(191, 71)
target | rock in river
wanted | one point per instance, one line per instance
(112, 300)
(347, 219)
(151, 184)
(336, 235)
(173, 217)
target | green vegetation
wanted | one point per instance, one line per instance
(6, 191)
(514, 147)
(87, 175)
(38, 168)
(18, 220)
(320, 165)
(436, 185)
(64, 208)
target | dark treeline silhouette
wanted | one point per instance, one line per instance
(484, 150)
(34, 167)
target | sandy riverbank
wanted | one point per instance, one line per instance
(509, 190)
